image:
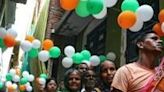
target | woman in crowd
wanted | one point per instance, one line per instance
(107, 72)
(72, 80)
(51, 85)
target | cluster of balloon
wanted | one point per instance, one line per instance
(84, 8)
(14, 82)
(133, 16)
(7, 37)
(73, 57)
(159, 26)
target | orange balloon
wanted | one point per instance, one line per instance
(29, 38)
(69, 4)
(47, 44)
(22, 87)
(161, 16)
(10, 88)
(126, 19)
(9, 40)
(157, 29)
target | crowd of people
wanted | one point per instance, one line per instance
(143, 75)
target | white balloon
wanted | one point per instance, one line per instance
(36, 44)
(102, 14)
(69, 51)
(25, 74)
(111, 56)
(162, 27)
(31, 77)
(16, 78)
(26, 45)
(15, 86)
(43, 55)
(28, 88)
(3, 32)
(12, 32)
(12, 71)
(42, 81)
(145, 12)
(67, 62)
(137, 26)
(27, 84)
(8, 83)
(94, 60)
(110, 3)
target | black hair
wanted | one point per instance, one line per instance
(48, 80)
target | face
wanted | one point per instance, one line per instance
(90, 79)
(108, 70)
(51, 86)
(152, 42)
(41, 87)
(74, 81)
(83, 68)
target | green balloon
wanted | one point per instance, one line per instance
(1, 85)
(33, 53)
(2, 45)
(102, 58)
(130, 5)
(54, 52)
(81, 9)
(8, 77)
(23, 81)
(95, 6)
(77, 58)
(43, 76)
(86, 54)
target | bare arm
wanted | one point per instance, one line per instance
(116, 90)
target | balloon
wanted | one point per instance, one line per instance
(161, 16)
(77, 58)
(110, 3)
(69, 51)
(43, 55)
(8, 77)
(12, 32)
(2, 45)
(68, 4)
(25, 74)
(1, 85)
(26, 45)
(36, 44)
(29, 88)
(86, 62)
(47, 44)
(126, 19)
(81, 9)
(29, 38)
(102, 58)
(86, 54)
(42, 81)
(8, 83)
(43, 76)
(145, 13)
(54, 52)
(22, 87)
(16, 78)
(111, 56)
(31, 78)
(102, 14)
(23, 81)
(12, 71)
(137, 26)
(15, 86)
(157, 29)
(9, 40)
(10, 88)
(33, 53)
(130, 5)
(95, 6)
(2, 32)
(162, 27)
(67, 62)
(94, 60)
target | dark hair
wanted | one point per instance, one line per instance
(48, 80)
(66, 76)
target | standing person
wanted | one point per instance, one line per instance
(107, 72)
(82, 68)
(51, 85)
(72, 80)
(89, 80)
(133, 77)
